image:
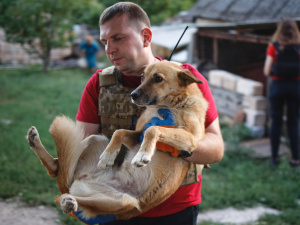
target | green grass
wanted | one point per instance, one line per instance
(28, 97)
(241, 181)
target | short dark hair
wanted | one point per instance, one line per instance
(134, 12)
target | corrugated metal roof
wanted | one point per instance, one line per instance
(245, 10)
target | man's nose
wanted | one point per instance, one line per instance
(110, 47)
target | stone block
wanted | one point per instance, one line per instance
(255, 102)
(229, 81)
(255, 117)
(215, 77)
(249, 87)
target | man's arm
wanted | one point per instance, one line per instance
(211, 148)
(89, 128)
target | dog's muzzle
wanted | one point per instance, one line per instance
(134, 95)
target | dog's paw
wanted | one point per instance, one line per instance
(141, 159)
(33, 136)
(107, 159)
(68, 203)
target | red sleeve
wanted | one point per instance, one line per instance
(211, 113)
(88, 106)
(271, 51)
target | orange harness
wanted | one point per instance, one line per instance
(165, 147)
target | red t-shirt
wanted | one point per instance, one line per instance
(185, 196)
(271, 51)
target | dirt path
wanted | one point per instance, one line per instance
(16, 213)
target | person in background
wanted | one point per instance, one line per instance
(126, 34)
(90, 48)
(282, 63)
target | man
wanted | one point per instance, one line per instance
(125, 32)
(90, 49)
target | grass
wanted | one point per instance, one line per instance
(28, 97)
(241, 181)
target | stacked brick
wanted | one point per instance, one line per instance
(233, 93)
(14, 54)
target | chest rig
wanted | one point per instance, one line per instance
(116, 111)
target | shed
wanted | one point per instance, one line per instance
(233, 35)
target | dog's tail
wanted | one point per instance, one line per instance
(67, 138)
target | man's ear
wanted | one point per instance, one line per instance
(186, 77)
(147, 36)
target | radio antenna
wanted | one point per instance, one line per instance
(169, 59)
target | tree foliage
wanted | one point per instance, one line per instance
(158, 11)
(44, 24)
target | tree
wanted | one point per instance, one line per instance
(44, 24)
(158, 11)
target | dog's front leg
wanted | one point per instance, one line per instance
(128, 137)
(179, 138)
(147, 148)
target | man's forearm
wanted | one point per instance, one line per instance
(211, 148)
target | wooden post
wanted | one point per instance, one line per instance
(215, 51)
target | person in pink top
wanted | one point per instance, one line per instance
(125, 32)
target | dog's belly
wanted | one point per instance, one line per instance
(126, 179)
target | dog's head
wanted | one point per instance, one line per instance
(164, 83)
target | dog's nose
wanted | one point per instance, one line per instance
(134, 95)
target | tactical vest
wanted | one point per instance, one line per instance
(288, 61)
(116, 111)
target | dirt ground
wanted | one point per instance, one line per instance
(16, 212)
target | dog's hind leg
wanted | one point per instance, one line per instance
(47, 160)
(67, 203)
(97, 203)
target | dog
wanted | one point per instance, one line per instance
(85, 169)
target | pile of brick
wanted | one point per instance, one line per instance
(233, 93)
(14, 54)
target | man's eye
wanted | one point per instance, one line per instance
(142, 77)
(118, 38)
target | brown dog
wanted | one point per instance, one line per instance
(102, 187)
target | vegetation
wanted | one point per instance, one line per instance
(43, 25)
(27, 98)
(159, 11)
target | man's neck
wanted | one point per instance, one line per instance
(151, 60)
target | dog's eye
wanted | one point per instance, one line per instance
(157, 79)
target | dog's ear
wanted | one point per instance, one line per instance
(186, 77)
(142, 70)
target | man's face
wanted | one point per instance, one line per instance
(123, 44)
